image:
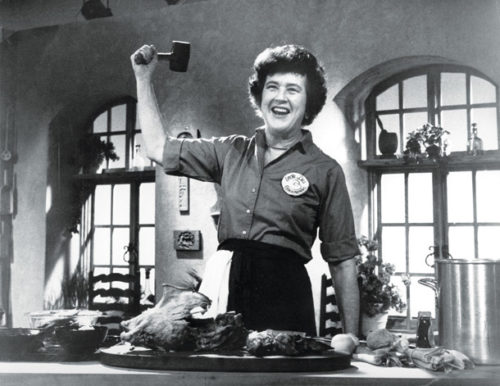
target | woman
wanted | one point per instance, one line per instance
(277, 190)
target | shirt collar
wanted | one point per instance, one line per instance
(305, 142)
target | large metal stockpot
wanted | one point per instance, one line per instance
(468, 301)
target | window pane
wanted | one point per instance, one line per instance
(101, 123)
(119, 118)
(398, 282)
(147, 246)
(393, 198)
(413, 121)
(101, 246)
(393, 247)
(453, 90)
(420, 239)
(422, 298)
(121, 204)
(102, 212)
(420, 203)
(120, 242)
(488, 237)
(488, 194)
(415, 92)
(460, 197)
(119, 142)
(147, 203)
(388, 100)
(486, 119)
(461, 239)
(482, 91)
(390, 123)
(455, 121)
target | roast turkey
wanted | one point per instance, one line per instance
(172, 326)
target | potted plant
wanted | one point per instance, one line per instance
(433, 138)
(377, 293)
(92, 151)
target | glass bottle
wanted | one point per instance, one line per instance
(138, 161)
(147, 297)
(475, 144)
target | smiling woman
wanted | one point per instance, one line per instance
(277, 190)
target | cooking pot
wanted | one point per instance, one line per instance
(468, 302)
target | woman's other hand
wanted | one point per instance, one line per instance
(144, 62)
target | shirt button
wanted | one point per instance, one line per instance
(244, 232)
(253, 190)
(248, 210)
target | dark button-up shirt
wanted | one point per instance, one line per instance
(254, 203)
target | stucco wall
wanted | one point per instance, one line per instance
(76, 67)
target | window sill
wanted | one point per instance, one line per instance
(116, 175)
(455, 161)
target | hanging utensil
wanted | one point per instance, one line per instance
(6, 154)
(6, 202)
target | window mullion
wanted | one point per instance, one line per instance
(474, 213)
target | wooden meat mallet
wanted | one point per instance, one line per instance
(178, 58)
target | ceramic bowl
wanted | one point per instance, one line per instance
(81, 341)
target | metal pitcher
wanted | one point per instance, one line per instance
(468, 302)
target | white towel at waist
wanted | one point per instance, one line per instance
(215, 282)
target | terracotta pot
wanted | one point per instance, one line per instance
(373, 323)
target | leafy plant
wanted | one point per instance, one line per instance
(377, 293)
(428, 135)
(92, 151)
(75, 290)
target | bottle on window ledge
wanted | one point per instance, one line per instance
(138, 161)
(475, 144)
(147, 297)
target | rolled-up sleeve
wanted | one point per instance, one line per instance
(201, 158)
(336, 226)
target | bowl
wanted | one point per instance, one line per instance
(42, 319)
(81, 341)
(15, 341)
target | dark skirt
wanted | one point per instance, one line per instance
(270, 287)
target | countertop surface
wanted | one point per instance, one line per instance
(360, 373)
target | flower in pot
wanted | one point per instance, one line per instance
(377, 293)
(433, 138)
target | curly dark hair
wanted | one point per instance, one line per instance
(290, 58)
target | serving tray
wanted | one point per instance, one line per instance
(143, 358)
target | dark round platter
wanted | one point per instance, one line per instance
(141, 358)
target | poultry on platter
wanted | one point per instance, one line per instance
(172, 326)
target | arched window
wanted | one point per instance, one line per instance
(449, 205)
(118, 216)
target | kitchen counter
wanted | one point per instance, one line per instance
(94, 373)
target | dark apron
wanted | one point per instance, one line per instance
(270, 287)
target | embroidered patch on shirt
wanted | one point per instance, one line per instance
(294, 184)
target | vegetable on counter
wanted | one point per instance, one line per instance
(384, 348)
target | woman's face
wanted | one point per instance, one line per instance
(284, 103)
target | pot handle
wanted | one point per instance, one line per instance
(432, 284)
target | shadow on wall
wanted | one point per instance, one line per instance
(64, 198)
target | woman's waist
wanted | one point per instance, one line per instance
(261, 249)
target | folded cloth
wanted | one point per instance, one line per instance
(215, 282)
